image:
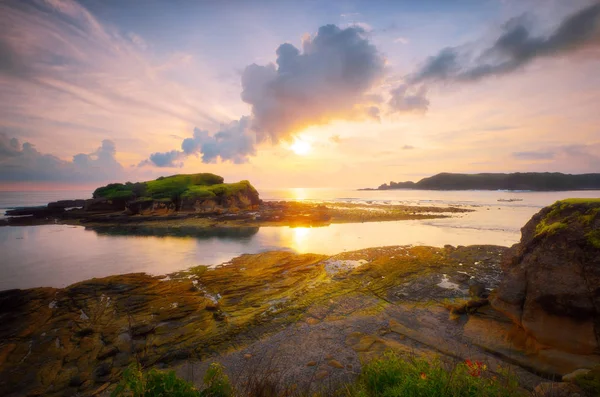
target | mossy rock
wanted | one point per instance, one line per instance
(177, 188)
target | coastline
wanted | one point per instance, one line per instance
(269, 213)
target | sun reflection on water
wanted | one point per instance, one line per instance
(298, 193)
(299, 238)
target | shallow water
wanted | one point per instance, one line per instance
(58, 255)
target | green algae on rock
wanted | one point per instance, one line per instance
(76, 339)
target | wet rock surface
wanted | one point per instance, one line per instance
(307, 321)
(79, 339)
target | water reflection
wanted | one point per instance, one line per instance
(59, 255)
(223, 233)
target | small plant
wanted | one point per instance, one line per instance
(216, 382)
(394, 375)
(155, 383)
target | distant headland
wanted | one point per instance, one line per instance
(534, 181)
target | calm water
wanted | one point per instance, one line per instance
(57, 255)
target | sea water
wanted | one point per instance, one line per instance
(59, 255)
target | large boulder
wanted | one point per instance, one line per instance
(551, 286)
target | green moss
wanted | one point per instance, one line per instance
(593, 238)
(198, 192)
(172, 188)
(219, 190)
(557, 209)
(560, 206)
(544, 229)
(114, 191)
(177, 184)
(589, 216)
(572, 201)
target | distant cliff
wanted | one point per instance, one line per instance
(538, 181)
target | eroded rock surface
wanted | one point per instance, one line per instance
(79, 339)
(552, 278)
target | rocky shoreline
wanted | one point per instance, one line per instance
(204, 200)
(313, 319)
(267, 213)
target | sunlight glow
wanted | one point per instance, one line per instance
(297, 193)
(300, 235)
(300, 147)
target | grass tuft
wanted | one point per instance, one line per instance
(155, 383)
(394, 375)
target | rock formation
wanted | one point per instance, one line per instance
(551, 286)
(200, 193)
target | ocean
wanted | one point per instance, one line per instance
(59, 255)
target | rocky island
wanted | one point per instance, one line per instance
(204, 200)
(533, 181)
(312, 321)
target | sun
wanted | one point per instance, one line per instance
(300, 147)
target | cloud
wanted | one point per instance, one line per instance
(572, 158)
(401, 40)
(59, 62)
(514, 48)
(25, 163)
(329, 79)
(407, 99)
(174, 158)
(533, 155)
(234, 142)
(407, 147)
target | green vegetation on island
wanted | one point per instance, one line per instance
(536, 181)
(172, 187)
(176, 191)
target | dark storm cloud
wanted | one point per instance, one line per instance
(515, 47)
(329, 79)
(25, 163)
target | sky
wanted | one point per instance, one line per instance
(341, 93)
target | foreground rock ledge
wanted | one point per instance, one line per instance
(551, 286)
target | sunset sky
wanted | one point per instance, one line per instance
(345, 93)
